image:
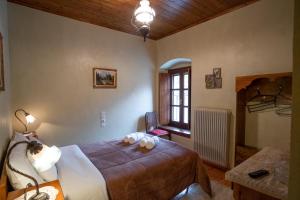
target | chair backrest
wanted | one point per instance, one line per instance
(151, 121)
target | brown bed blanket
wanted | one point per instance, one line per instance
(134, 173)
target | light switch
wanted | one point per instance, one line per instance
(103, 119)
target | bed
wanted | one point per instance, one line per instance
(116, 170)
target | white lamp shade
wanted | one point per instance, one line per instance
(30, 119)
(144, 13)
(45, 159)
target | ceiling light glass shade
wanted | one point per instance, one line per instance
(45, 159)
(142, 18)
(144, 13)
(30, 119)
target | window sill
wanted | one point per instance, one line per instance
(177, 131)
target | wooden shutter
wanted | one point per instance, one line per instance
(164, 98)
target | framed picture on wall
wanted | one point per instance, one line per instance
(210, 81)
(104, 78)
(218, 82)
(217, 72)
(1, 64)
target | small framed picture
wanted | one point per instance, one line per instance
(217, 72)
(210, 81)
(1, 64)
(104, 78)
(218, 82)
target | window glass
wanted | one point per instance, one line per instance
(186, 98)
(175, 114)
(176, 81)
(186, 115)
(175, 97)
(180, 97)
(186, 81)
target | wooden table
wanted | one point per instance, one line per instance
(56, 184)
(271, 187)
(244, 193)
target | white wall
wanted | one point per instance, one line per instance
(268, 129)
(252, 40)
(5, 119)
(52, 60)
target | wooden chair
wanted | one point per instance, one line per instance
(152, 125)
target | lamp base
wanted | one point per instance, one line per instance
(40, 196)
(144, 30)
(29, 133)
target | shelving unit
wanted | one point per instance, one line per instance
(246, 87)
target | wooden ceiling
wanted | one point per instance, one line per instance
(171, 15)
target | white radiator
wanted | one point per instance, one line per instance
(211, 135)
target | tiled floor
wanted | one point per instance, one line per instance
(217, 175)
(220, 187)
(220, 192)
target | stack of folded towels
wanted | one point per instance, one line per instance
(145, 141)
(149, 142)
(133, 137)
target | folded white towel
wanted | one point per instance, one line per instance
(156, 139)
(143, 141)
(133, 137)
(151, 142)
(126, 138)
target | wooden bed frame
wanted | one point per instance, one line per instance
(3, 183)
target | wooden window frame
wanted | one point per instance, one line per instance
(181, 72)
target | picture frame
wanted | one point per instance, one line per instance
(217, 72)
(214, 80)
(2, 83)
(104, 78)
(218, 82)
(210, 81)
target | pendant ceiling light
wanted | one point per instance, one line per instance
(142, 18)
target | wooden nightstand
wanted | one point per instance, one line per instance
(56, 184)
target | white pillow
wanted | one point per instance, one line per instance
(19, 161)
(50, 174)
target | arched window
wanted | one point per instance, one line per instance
(180, 101)
(175, 93)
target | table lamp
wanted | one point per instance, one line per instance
(29, 118)
(42, 157)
